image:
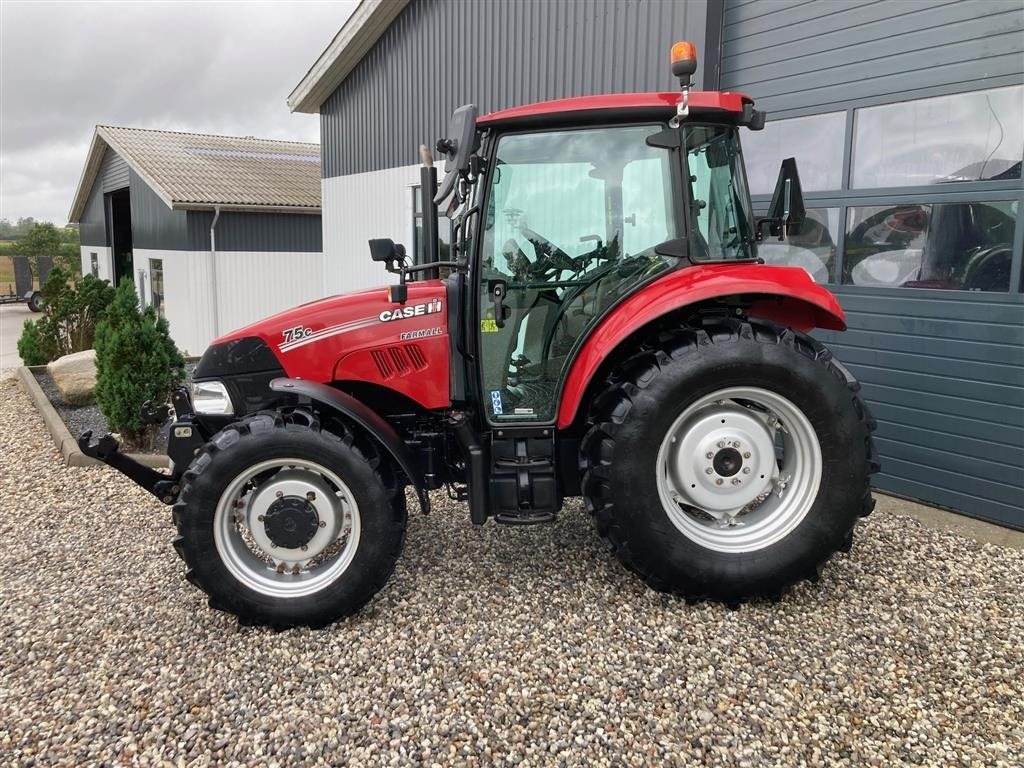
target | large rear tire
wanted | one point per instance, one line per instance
(283, 523)
(730, 461)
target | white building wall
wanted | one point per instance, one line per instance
(357, 208)
(103, 256)
(250, 286)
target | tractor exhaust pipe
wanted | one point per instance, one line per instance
(428, 188)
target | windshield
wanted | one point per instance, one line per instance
(720, 219)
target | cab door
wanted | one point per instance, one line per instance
(572, 221)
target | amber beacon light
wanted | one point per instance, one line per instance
(684, 61)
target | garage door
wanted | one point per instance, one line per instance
(906, 121)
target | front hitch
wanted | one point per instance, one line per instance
(107, 450)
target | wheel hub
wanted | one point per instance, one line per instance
(727, 462)
(291, 522)
(721, 459)
(738, 469)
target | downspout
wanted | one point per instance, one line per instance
(213, 271)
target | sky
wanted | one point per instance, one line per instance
(211, 67)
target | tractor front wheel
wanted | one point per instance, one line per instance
(284, 523)
(728, 462)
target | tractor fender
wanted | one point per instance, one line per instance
(365, 417)
(785, 295)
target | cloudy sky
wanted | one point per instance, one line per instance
(215, 67)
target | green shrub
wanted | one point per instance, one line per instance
(136, 361)
(35, 346)
(72, 309)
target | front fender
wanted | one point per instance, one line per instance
(366, 418)
(785, 295)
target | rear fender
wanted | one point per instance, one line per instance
(785, 295)
(366, 418)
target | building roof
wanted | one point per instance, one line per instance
(202, 171)
(357, 35)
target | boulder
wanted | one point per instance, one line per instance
(75, 376)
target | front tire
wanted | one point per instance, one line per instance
(730, 461)
(283, 523)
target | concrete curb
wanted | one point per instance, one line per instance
(62, 438)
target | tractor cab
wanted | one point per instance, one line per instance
(563, 209)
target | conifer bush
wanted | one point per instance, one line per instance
(136, 361)
(72, 308)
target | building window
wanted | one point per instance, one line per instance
(813, 248)
(963, 246)
(156, 285)
(964, 137)
(444, 231)
(816, 143)
(94, 263)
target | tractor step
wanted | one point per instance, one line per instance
(526, 517)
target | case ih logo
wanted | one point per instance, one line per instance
(428, 308)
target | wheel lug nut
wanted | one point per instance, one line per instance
(709, 455)
(295, 570)
(261, 518)
(280, 568)
(735, 443)
(708, 471)
(735, 481)
(746, 454)
(721, 443)
(304, 547)
(279, 494)
(323, 524)
(746, 470)
(719, 481)
(310, 496)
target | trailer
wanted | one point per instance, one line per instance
(23, 289)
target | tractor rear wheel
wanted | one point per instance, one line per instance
(283, 523)
(730, 461)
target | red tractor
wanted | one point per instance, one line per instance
(605, 330)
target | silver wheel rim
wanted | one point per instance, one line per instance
(246, 548)
(739, 469)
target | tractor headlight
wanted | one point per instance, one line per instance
(211, 397)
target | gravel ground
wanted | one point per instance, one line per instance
(489, 646)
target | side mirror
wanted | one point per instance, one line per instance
(787, 206)
(457, 148)
(386, 250)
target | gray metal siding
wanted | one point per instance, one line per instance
(286, 232)
(944, 376)
(92, 227)
(113, 172)
(154, 225)
(439, 54)
(799, 58)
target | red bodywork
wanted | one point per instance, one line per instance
(790, 298)
(620, 102)
(352, 338)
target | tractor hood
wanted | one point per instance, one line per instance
(361, 336)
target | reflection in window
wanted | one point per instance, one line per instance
(959, 246)
(94, 263)
(156, 285)
(813, 248)
(816, 143)
(964, 137)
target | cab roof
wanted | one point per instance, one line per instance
(660, 105)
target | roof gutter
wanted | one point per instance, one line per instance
(213, 272)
